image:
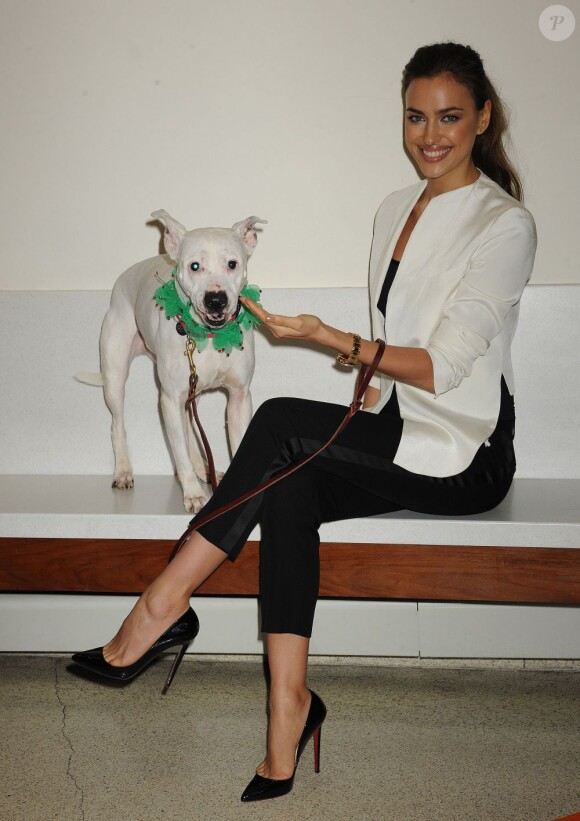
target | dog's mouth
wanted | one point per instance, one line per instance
(215, 320)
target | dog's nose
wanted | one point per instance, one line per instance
(215, 301)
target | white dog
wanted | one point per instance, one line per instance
(201, 296)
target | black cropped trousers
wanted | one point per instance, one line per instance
(354, 477)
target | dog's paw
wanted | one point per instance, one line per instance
(193, 504)
(124, 481)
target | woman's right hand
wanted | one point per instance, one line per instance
(303, 326)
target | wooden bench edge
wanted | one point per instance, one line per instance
(532, 575)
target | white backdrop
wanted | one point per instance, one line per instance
(218, 110)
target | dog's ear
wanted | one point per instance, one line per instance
(173, 234)
(247, 233)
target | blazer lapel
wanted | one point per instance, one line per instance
(400, 216)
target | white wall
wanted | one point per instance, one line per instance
(218, 110)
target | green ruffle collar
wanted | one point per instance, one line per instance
(224, 339)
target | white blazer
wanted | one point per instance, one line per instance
(456, 293)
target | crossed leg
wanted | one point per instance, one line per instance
(288, 624)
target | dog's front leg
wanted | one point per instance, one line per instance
(200, 465)
(171, 406)
(238, 414)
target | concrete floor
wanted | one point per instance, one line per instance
(407, 744)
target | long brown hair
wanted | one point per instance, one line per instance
(466, 67)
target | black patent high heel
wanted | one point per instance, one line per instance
(260, 788)
(180, 634)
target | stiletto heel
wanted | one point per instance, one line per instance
(174, 666)
(316, 740)
(260, 788)
(180, 634)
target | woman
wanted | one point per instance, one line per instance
(437, 436)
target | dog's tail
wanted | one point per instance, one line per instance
(87, 378)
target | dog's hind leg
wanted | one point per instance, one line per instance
(120, 344)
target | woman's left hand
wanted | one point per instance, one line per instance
(303, 326)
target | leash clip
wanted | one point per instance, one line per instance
(189, 349)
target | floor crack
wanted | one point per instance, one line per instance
(69, 773)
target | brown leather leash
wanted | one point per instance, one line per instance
(364, 377)
(191, 407)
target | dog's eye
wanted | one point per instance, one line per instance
(194, 266)
(232, 264)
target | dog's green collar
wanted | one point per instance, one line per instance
(224, 339)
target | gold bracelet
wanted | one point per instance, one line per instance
(352, 358)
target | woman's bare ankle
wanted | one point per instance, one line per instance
(162, 604)
(288, 708)
(289, 699)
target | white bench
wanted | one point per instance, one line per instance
(56, 462)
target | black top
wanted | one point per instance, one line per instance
(388, 281)
(507, 407)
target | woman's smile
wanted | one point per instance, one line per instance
(435, 155)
